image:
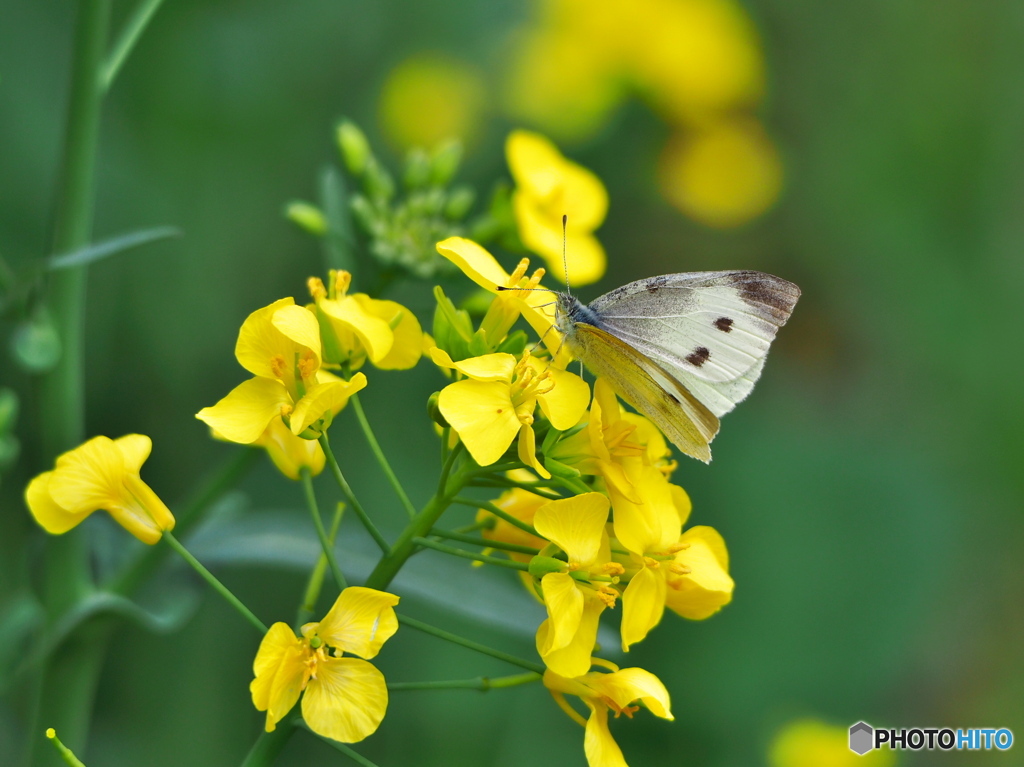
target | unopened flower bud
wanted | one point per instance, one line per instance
(541, 566)
(459, 202)
(355, 149)
(417, 169)
(307, 217)
(445, 161)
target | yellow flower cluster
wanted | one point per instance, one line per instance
(292, 396)
(618, 537)
(697, 62)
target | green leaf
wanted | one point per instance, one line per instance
(111, 247)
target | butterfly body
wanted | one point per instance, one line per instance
(683, 349)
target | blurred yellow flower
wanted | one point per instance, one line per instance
(496, 401)
(354, 328)
(102, 473)
(280, 345)
(723, 174)
(698, 63)
(576, 596)
(619, 692)
(812, 743)
(345, 698)
(429, 98)
(549, 186)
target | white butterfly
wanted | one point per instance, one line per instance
(683, 349)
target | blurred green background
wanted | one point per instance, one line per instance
(869, 492)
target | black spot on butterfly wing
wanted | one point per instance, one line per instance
(724, 324)
(655, 283)
(775, 296)
(699, 356)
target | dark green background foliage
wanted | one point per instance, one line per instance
(869, 491)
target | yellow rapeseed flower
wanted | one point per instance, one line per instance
(686, 572)
(289, 453)
(548, 187)
(619, 692)
(576, 596)
(354, 328)
(482, 268)
(345, 698)
(812, 743)
(495, 403)
(102, 473)
(280, 345)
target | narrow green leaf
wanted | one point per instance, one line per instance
(111, 247)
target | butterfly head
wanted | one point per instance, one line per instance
(569, 311)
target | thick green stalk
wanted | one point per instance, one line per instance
(389, 565)
(69, 682)
(316, 577)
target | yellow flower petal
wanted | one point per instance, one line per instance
(373, 332)
(281, 672)
(527, 450)
(299, 325)
(475, 262)
(632, 684)
(564, 601)
(244, 413)
(487, 367)
(136, 449)
(140, 511)
(407, 344)
(290, 453)
(708, 586)
(681, 500)
(576, 525)
(346, 701)
(360, 621)
(573, 659)
(482, 414)
(541, 232)
(643, 603)
(541, 172)
(566, 403)
(323, 398)
(260, 342)
(652, 525)
(50, 515)
(89, 477)
(598, 743)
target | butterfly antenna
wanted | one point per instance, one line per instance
(565, 260)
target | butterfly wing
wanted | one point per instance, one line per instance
(648, 387)
(711, 327)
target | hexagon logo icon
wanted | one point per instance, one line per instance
(862, 738)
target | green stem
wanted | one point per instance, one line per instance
(65, 690)
(506, 563)
(126, 41)
(381, 458)
(318, 523)
(481, 683)
(346, 489)
(210, 578)
(476, 540)
(418, 526)
(426, 628)
(269, 744)
(536, 489)
(65, 753)
(498, 512)
(500, 468)
(193, 512)
(350, 753)
(316, 577)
